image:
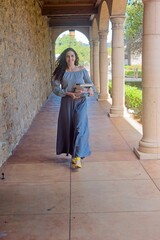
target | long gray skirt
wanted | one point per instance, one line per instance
(73, 131)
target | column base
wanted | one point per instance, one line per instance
(103, 97)
(151, 147)
(146, 156)
(117, 112)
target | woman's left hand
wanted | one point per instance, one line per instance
(90, 92)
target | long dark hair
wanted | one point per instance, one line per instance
(61, 65)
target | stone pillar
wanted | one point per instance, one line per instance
(149, 146)
(118, 95)
(103, 67)
(54, 56)
(91, 61)
(96, 63)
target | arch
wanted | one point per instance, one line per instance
(103, 16)
(78, 34)
(94, 29)
(65, 40)
(58, 31)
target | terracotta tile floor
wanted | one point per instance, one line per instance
(113, 197)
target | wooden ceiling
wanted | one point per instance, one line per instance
(62, 13)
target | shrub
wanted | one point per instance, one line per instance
(137, 84)
(130, 70)
(129, 73)
(139, 73)
(110, 87)
(133, 99)
(132, 67)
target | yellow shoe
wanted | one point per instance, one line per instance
(77, 162)
(74, 160)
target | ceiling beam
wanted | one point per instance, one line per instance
(68, 4)
(69, 22)
(76, 10)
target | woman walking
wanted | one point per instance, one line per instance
(72, 131)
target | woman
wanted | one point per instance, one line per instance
(72, 132)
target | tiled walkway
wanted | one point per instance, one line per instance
(113, 197)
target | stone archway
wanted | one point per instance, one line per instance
(58, 31)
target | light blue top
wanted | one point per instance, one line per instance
(69, 80)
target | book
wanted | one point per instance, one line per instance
(86, 85)
(82, 87)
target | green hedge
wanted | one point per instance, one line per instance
(131, 69)
(131, 73)
(133, 99)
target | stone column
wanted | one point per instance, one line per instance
(91, 61)
(54, 56)
(103, 67)
(96, 63)
(149, 146)
(118, 96)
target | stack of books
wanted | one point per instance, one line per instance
(78, 88)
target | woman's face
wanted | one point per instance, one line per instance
(70, 58)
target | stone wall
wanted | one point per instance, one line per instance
(25, 69)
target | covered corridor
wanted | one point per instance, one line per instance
(114, 196)
(28, 33)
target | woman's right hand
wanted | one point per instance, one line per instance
(72, 95)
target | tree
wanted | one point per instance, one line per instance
(82, 49)
(133, 26)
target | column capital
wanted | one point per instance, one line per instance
(95, 42)
(103, 34)
(117, 22)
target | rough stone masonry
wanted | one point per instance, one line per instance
(25, 69)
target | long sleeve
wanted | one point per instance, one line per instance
(87, 77)
(57, 89)
(88, 80)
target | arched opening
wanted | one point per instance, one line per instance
(76, 40)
